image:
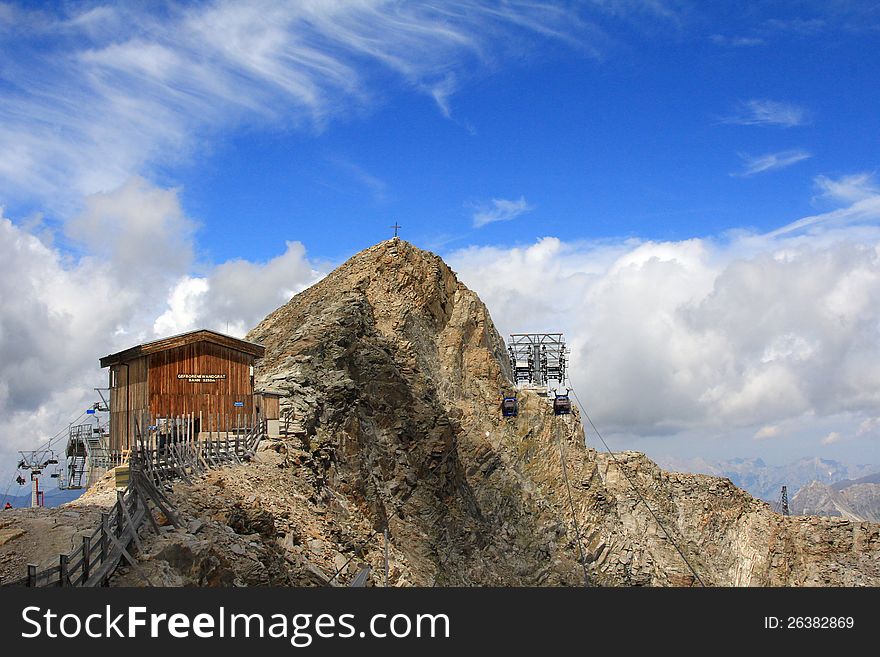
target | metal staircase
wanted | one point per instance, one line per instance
(87, 455)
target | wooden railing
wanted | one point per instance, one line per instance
(162, 454)
(175, 449)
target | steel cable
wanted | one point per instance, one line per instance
(637, 492)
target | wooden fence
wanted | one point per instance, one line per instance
(165, 451)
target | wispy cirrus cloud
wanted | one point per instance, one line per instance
(767, 113)
(377, 187)
(859, 191)
(94, 95)
(755, 164)
(736, 41)
(500, 209)
(847, 189)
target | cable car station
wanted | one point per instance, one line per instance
(538, 362)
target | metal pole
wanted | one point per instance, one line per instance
(386, 557)
(127, 405)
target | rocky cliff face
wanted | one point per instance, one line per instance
(393, 370)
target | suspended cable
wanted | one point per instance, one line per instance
(45, 446)
(360, 549)
(6, 492)
(364, 544)
(637, 492)
(577, 529)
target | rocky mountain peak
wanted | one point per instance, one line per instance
(392, 370)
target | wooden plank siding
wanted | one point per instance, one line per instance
(156, 384)
(171, 395)
(271, 407)
(131, 387)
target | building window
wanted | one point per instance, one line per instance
(113, 377)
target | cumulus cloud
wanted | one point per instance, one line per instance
(130, 283)
(768, 431)
(237, 294)
(755, 164)
(711, 334)
(831, 438)
(500, 209)
(768, 113)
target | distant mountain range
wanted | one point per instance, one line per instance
(766, 481)
(53, 497)
(857, 499)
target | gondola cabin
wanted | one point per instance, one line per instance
(509, 407)
(203, 374)
(562, 405)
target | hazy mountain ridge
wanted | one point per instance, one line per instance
(858, 500)
(54, 497)
(766, 481)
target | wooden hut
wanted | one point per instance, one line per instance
(202, 374)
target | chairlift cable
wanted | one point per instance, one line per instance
(577, 529)
(6, 492)
(637, 492)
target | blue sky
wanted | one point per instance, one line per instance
(699, 179)
(635, 123)
(640, 138)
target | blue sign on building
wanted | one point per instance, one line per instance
(238, 403)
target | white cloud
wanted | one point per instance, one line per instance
(768, 431)
(132, 283)
(500, 209)
(869, 427)
(848, 189)
(753, 331)
(858, 190)
(375, 185)
(754, 164)
(831, 438)
(123, 87)
(442, 91)
(769, 113)
(237, 294)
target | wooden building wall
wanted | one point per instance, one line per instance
(179, 381)
(270, 406)
(128, 385)
(171, 395)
